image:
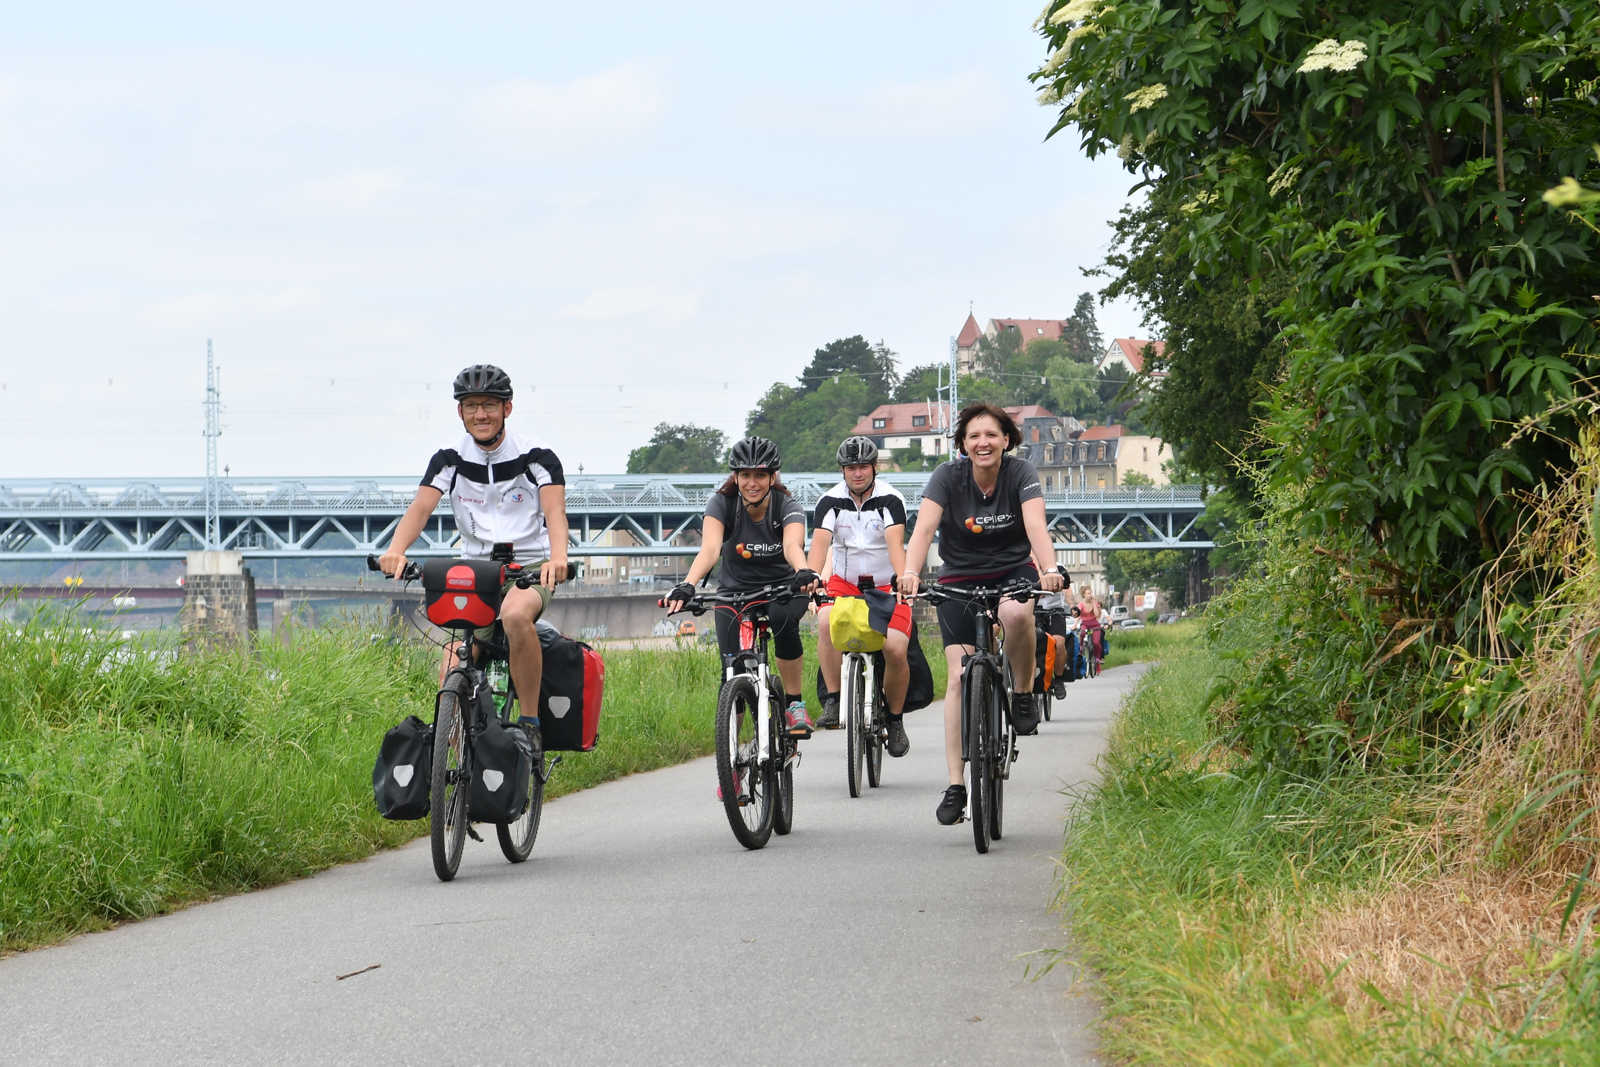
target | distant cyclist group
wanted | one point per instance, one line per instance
(1012, 630)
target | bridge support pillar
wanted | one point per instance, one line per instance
(219, 599)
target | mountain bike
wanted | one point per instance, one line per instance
(863, 708)
(756, 756)
(988, 738)
(471, 694)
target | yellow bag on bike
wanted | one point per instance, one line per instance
(850, 624)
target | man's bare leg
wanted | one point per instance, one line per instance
(519, 611)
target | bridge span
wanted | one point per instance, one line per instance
(105, 519)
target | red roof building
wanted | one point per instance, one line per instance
(1128, 352)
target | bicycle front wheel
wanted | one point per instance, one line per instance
(977, 698)
(1001, 736)
(451, 776)
(516, 838)
(855, 700)
(746, 786)
(875, 741)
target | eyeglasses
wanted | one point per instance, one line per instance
(488, 407)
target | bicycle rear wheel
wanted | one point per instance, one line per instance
(516, 838)
(977, 695)
(452, 770)
(855, 710)
(746, 787)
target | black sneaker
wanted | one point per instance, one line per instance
(1058, 688)
(897, 742)
(953, 806)
(1024, 714)
(830, 713)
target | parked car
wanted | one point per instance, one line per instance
(1119, 612)
(686, 628)
(1129, 624)
(1169, 617)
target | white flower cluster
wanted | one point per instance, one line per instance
(1077, 9)
(1281, 179)
(1146, 97)
(1334, 55)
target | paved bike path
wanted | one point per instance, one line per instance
(639, 933)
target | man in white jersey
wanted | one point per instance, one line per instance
(864, 522)
(504, 488)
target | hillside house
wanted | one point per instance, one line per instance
(1127, 354)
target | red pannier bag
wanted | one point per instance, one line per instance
(461, 594)
(570, 691)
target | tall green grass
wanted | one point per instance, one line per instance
(1187, 871)
(134, 779)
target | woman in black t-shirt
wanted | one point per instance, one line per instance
(758, 530)
(988, 510)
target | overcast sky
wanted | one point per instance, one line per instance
(645, 213)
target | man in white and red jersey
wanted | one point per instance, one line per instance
(504, 488)
(864, 522)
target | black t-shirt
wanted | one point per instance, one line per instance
(981, 534)
(752, 552)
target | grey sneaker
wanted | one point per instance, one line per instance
(897, 742)
(829, 719)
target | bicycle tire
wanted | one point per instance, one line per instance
(784, 756)
(855, 724)
(452, 769)
(977, 692)
(750, 815)
(516, 838)
(1001, 742)
(875, 727)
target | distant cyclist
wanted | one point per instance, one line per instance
(864, 522)
(988, 510)
(759, 531)
(1090, 627)
(1058, 606)
(503, 487)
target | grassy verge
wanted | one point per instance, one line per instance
(1235, 917)
(133, 781)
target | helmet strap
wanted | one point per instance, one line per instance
(493, 442)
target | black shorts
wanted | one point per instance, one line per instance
(958, 620)
(1056, 623)
(785, 620)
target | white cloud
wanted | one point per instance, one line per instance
(625, 301)
(963, 104)
(351, 192)
(598, 112)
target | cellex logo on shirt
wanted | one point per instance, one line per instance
(755, 549)
(980, 523)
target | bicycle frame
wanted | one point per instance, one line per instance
(739, 663)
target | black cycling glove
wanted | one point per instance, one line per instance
(803, 578)
(682, 592)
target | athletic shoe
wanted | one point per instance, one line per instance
(800, 724)
(535, 739)
(741, 761)
(897, 742)
(953, 806)
(1025, 713)
(830, 713)
(1058, 688)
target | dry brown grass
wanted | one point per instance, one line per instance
(1481, 951)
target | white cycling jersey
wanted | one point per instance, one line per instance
(859, 546)
(495, 495)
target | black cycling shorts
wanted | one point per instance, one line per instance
(958, 620)
(785, 619)
(1056, 623)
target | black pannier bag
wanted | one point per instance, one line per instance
(570, 692)
(401, 774)
(502, 760)
(919, 688)
(462, 593)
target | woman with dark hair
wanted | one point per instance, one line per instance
(758, 530)
(988, 510)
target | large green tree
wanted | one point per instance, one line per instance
(873, 364)
(1390, 160)
(809, 424)
(685, 449)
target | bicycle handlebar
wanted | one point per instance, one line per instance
(701, 603)
(413, 571)
(410, 573)
(1020, 589)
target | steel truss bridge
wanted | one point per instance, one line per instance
(45, 520)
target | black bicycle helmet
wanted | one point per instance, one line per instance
(754, 454)
(483, 379)
(857, 449)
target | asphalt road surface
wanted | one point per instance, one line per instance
(639, 933)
